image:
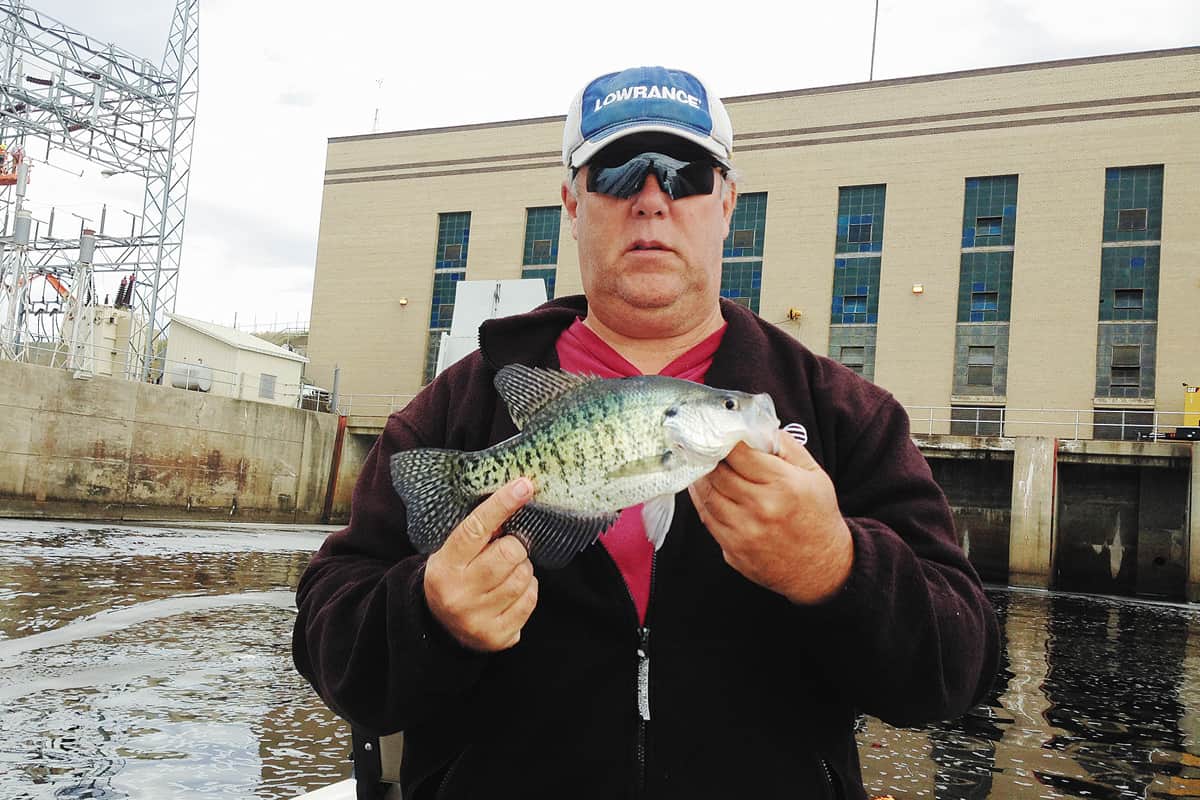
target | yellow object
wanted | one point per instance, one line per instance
(1191, 407)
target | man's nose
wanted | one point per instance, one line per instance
(651, 200)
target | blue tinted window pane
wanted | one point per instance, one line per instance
(541, 235)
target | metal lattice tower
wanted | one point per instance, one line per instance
(61, 89)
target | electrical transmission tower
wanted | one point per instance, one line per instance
(61, 89)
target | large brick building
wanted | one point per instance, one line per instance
(996, 241)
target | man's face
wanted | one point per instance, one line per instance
(648, 256)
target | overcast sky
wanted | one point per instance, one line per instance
(279, 77)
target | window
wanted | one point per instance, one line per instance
(854, 357)
(453, 252)
(1127, 425)
(266, 386)
(1131, 219)
(1127, 298)
(743, 238)
(541, 236)
(976, 421)
(1126, 365)
(854, 304)
(985, 301)
(988, 226)
(981, 362)
(859, 233)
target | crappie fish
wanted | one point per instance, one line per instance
(592, 447)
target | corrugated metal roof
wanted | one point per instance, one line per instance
(235, 338)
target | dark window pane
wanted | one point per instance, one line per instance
(453, 252)
(1128, 425)
(1125, 376)
(981, 356)
(743, 238)
(1126, 355)
(1128, 298)
(854, 304)
(853, 357)
(979, 375)
(985, 301)
(973, 421)
(859, 233)
(1131, 219)
(541, 248)
(988, 226)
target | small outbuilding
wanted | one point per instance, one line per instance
(207, 357)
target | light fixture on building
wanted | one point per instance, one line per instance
(918, 288)
(794, 314)
(403, 301)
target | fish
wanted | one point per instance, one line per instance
(592, 447)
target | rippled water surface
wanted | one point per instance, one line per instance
(152, 662)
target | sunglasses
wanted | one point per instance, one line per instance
(677, 178)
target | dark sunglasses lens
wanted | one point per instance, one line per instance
(677, 178)
(694, 178)
(620, 180)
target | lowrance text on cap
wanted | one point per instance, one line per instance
(645, 99)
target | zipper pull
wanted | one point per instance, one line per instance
(643, 676)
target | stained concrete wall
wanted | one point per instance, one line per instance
(1105, 517)
(113, 449)
(979, 489)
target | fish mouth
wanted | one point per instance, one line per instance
(763, 431)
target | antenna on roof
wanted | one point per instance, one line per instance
(874, 30)
(378, 92)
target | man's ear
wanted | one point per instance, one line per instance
(571, 204)
(728, 203)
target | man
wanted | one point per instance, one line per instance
(792, 593)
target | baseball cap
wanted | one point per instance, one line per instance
(645, 100)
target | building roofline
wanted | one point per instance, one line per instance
(971, 73)
(840, 87)
(267, 349)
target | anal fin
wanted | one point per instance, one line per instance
(553, 536)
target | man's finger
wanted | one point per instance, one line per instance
(472, 535)
(796, 454)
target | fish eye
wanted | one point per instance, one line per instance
(672, 411)
(730, 404)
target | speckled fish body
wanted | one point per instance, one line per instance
(592, 447)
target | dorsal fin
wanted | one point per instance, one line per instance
(527, 390)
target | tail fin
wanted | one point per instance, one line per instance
(428, 481)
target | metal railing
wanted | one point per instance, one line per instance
(372, 405)
(1082, 423)
(85, 363)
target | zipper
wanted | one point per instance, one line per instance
(445, 781)
(833, 793)
(642, 689)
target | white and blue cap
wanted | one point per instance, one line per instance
(645, 100)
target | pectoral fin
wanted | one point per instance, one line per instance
(657, 514)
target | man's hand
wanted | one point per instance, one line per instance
(777, 521)
(482, 589)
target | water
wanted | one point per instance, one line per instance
(154, 662)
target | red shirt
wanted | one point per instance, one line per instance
(580, 350)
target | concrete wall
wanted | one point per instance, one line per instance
(114, 449)
(979, 489)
